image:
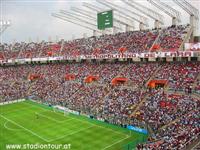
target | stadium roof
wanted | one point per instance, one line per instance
(32, 19)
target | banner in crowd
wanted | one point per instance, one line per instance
(192, 46)
(144, 131)
(135, 55)
(109, 56)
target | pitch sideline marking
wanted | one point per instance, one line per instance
(60, 136)
(100, 126)
(33, 133)
(116, 142)
(16, 110)
(70, 134)
(84, 121)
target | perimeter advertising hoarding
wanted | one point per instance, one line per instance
(144, 131)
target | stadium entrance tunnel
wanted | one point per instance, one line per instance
(91, 78)
(157, 83)
(119, 80)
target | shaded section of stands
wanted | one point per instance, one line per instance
(155, 83)
(34, 76)
(119, 80)
(70, 77)
(91, 78)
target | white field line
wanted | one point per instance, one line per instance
(52, 118)
(72, 132)
(116, 142)
(101, 127)
(77, 131)
(5, 126)
(87, 122)
(111, 130)
(33, 133)
(7, 112)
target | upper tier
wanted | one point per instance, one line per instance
(166, 39)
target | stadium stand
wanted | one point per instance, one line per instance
(170, 112)
(180, 76)
(166, 39)
(172, 37)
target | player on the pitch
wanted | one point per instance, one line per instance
(37, 116)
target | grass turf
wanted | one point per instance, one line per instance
(19, 124)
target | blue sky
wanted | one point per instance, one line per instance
(32, 20)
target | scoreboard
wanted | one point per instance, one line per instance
(105, 20)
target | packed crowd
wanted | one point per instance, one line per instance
(20, 50)
(179, 134)
(161, 108)
(133, 41)
(114, 104)
(172, 37)
(119, 104)
(139, 74)
(197, 87)
(180, 76)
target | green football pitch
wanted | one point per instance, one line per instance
(30, 124)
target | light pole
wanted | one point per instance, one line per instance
(4, 24)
